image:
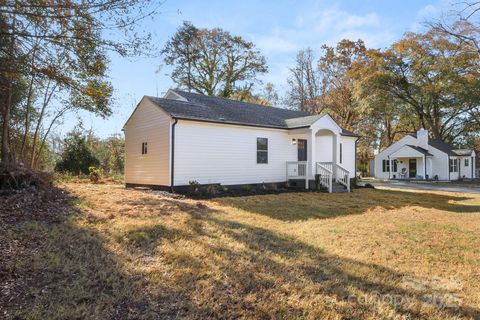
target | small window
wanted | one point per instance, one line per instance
(341, 153)
(453, 165)
(144, 148)
(395, 165)
(262, 150)
(386, 165)
(466, 162)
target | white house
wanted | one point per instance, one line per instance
(419, 157)
(186, 137)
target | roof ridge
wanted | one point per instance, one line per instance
(237, 101)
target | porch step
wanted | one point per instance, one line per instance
(337, 187)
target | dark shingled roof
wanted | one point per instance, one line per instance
(445, 147)
(214, 109)
(421, 150)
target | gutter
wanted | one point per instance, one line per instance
(173, 156)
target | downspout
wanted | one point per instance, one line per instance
(173, 156)
(425, 167)
(355, 166)
(471, 166)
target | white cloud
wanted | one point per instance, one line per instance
(431, 11)
(274, 43)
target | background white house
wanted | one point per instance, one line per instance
(187, 137)
(419, 157)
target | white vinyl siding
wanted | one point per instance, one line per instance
(348, 154)
(227, 154)
(147, 146)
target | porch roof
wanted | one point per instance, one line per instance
(410, 151)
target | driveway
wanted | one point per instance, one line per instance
(428, 186)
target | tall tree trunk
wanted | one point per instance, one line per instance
(6, 157)
(27, 113)
(46, 100)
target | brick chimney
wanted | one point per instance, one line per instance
(422, 138)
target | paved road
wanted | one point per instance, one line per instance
(432, 186)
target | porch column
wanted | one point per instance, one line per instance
(335, 147)
(311, 155)
(425, 167)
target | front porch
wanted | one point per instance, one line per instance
(409, 163)
(329, 176)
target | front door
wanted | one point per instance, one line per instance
(412, 168)
(302, 150)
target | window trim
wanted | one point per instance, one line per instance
(386, 165)
(262, 151)
(453, 165)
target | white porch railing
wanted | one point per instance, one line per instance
(339, 173)
(298, 170)
(342, 176)
(328, 165)
(325, 175)
(327, 171)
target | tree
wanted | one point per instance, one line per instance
(431, 75)
(59, 49)
(212, 61)
(304, 83)
(110, 152)
(270, 94)
(463, 24)
(77, 156)
(336, 85)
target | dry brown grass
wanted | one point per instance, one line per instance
(371, 254)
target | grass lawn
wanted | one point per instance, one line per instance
(111, 253)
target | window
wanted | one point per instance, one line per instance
(341, 153)
(262, 150)
(466, 162)
(386, 165)
(395, 165)
(453, 165)
(144, 148)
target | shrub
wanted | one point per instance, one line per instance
(194, 186)
(246, 188)
(317, 181)
(213, 189)
(77, 156)
(94, 174)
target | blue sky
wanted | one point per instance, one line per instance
(278, 28)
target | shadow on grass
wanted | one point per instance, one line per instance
(67, 269)
(302, 206)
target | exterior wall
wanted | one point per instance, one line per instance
(466, 171)
(439, 164)
(148, 124)
(349, 154)
(324, 150)
(324, 147)
(227, 154)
